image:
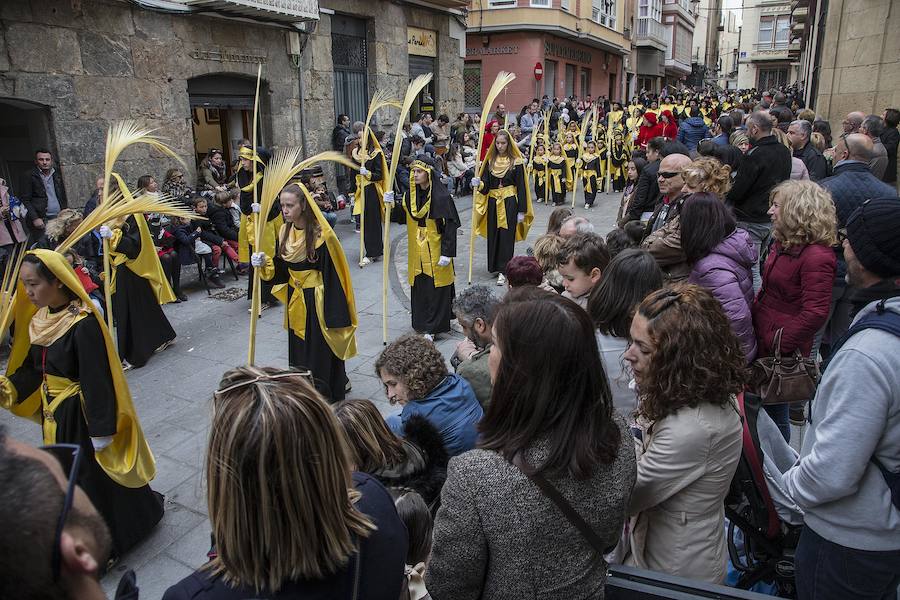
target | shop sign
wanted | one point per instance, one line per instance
(568, 52)
(219, 55)
(494, 50)
(421, 42)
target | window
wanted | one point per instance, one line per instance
(564, 4)
(774, 31)
(502, 3)
(771, 78)
(651, 9)
(472, 87)
(604, 12)
(540, 4)
(550, 78)
(585, 82)
(570, 80)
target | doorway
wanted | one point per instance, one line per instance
(222, 114)
(24, 127)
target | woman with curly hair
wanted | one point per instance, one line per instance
(797, 278)
(415, 376)
(418, 460)
(689, 367)
(706, 174)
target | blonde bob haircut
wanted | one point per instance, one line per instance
(709, 175)
(371, 444)
(280, 493)
(806, 214)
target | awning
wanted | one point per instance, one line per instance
(274, 11)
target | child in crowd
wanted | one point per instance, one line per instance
(560, 174)
(581, 262)
(209, 236)
(90, 282)
(414, 513)
(539, 173)
(590, 174)
(188, 246)
(546, 250)
(571, 150)
(635, 166)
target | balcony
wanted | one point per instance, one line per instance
(679, 67)
(649, 32)
(682, 9)
(277, 11)
(776, 51)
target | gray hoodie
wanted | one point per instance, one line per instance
(855, 414)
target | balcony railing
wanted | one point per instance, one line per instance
(650, 29)
(277, 10)
(777, 47)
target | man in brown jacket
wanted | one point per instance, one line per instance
(664, 228)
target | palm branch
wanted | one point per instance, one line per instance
(379, 100)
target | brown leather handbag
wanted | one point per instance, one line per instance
(784, 379)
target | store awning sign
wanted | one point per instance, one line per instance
(421, 42)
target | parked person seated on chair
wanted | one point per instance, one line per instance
(227, 201)
(210, 236)
(689, 368)
(222, 224)
(191, 248)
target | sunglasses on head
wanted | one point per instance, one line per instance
(669, 174)
(69, 458)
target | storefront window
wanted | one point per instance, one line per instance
(472, 87)
(570, 80)
(585, 82)
(550, 78)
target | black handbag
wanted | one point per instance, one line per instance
(784, 379)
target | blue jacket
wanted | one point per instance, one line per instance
(692, 130)
(852, 184)
(451, 407)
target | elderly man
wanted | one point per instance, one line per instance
(664, 229)
(766, 164)
(475, 308)
(851, 185)
(798, 133)
(873, 127)
(850, 543)
(573, 225)
(852, 122)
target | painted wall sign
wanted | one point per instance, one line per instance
(421, 42)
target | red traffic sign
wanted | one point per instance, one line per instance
(538, 71)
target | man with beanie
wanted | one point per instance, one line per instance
(850, 544)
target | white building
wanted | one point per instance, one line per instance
(767, 58)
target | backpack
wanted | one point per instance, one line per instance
(883, 320)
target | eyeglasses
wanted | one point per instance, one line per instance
(669, 174)
(69, 457)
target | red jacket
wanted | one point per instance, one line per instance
(670, 129)
(795, 295)
(649, 130)
(488, 139)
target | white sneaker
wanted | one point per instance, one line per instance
(501, 279)
(365, 261)
(586, 206)
(428, 336)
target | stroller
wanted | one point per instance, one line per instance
(763, 522)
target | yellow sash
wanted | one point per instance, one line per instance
(59, 389)
(424, 252)
(481, 207)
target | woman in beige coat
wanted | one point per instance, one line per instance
(689, 367)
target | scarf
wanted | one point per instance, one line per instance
(48, 326)
(500, 166)
(860, 297)
(293, 249)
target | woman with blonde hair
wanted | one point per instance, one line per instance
(417, 460)
(59, 228)
(289, 516)
(797, 278)
(706, 174)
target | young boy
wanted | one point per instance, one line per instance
(582, 260)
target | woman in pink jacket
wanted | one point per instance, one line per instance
(798, 274)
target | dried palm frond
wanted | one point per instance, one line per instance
(379, 100)
(123, 134)
(412, 92)
(8, 285)
(503, 79)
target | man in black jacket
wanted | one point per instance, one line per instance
(890, 137)
(646, 190)
(799, 133)
(766, 164)
(43, 195)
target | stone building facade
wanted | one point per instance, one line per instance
(68, 68)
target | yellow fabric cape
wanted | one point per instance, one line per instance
(342, 341)
(421, 251)
(146, 265)
(127, 460)
(481, 200)
(361, 182)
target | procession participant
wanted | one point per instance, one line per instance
(503, 211)
(369, 200)
(570, 147)
(249, 213)
(64, 373)
(431, 225)
(539, 173)
(620, 155)
(589, 163)
(139, 286)
(310, 275)
(559, 177)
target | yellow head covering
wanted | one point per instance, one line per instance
(481, 203)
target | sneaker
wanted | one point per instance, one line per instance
(501, 279)
(798, 415)
(428, 337)
(586, 206)
(126, 366)
(365, 261)
(163, 346)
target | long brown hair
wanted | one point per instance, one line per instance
(696, 359)
(310, 226)
(562, 395)
(279, 486)
(371, 444)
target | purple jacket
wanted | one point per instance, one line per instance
(725, 272)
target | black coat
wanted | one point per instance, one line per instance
(765, 165)
(221, 222)
(34, 195)
(381, 575)
(891, 138)
(814, 161)
(425, 467)
(646, 192)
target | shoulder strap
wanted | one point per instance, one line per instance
(882, 319)
(563, 505)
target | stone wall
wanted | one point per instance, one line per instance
(97, 61)
(860, 68)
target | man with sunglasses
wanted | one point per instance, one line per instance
(766, 164)
(663, 239)
(846, 478)
(53, 542)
